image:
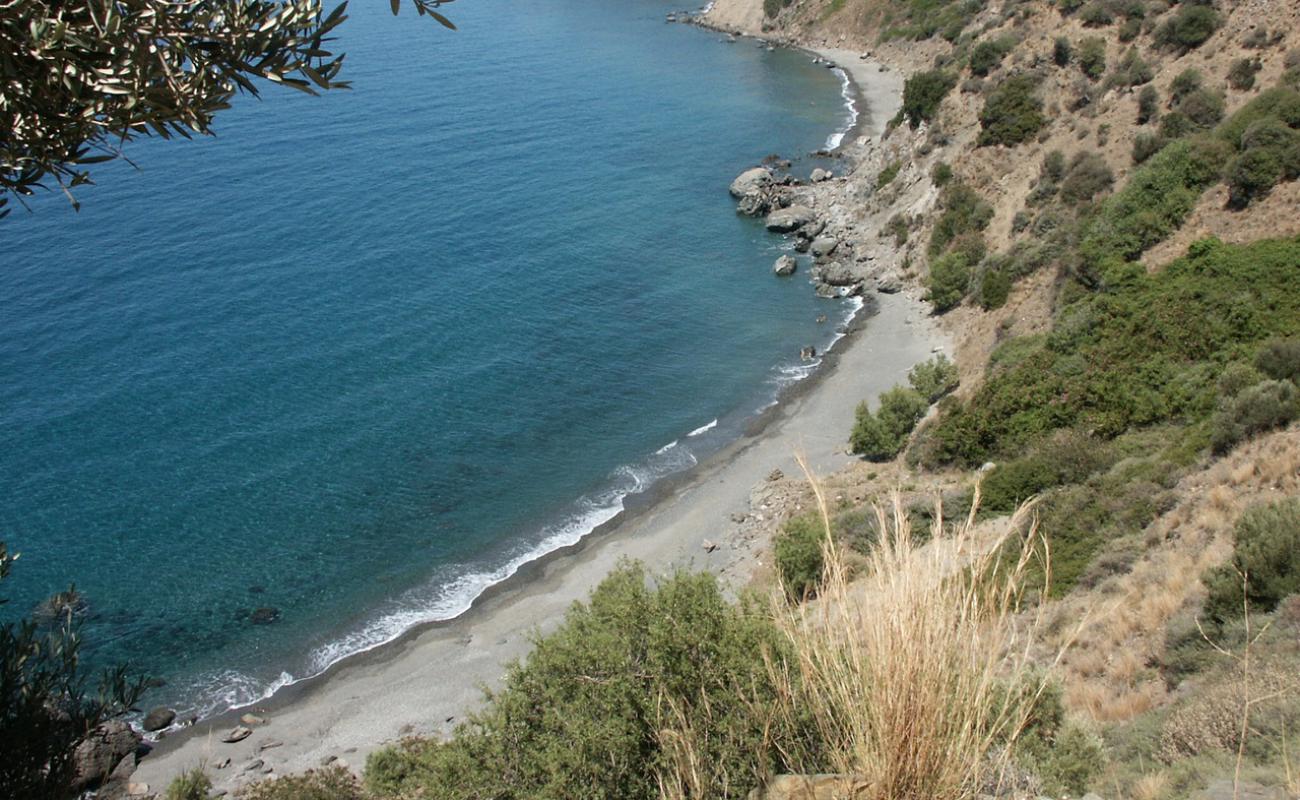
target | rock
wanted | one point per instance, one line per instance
(252, 720)
(327, 760)
(254, 765)
(789, 219)
(889, 285)
(836, 274)
(818, 175)
(807, 352)
(813, 228)
(775, 475)
(739, 517)
(754, 205)
(236, 734)
(264, 746)
(223, 763)
(821, 318)
(264, 615)
(159, 718)
(1091, 796)
(826, 291)
(750, 182)
(137, 789)
(709, 546)
(823, 246)
(99, 754)
(801, 244)
(785, 265)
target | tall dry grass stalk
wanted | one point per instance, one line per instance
(918, 673)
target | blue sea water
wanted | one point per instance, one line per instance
(359, 356)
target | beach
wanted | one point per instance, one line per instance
(428, 680)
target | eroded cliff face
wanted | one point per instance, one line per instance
(742, 16)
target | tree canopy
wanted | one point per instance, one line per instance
(79, 78)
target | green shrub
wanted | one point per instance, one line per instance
(1279, 359)
(1267, 552)
(922, 94)
(1203, 107)
(583, 714)
(1092, 57)
(192, 784)
(1088, 177)
(1130, 30)
(1148, 104)
(881, 436)
(886, 176)
(949, 281)
(1184, 83)
(1280, 103)
(1241, 76)
(327, 783)
(941, 175)
(797, 549)
(995, 288)
(1262, 407)
(964, 211)
(900, 228)
(1012, 113)
(1189, 27)
(1096, 15)
(1146, 145)
(1236, 377)
(1062, 754)
(1062, 51)
(1252, 175)
(1132, 70)
(1054, 166)
(1067, 457)
(987, 55)
(934, 378)
(773, 7)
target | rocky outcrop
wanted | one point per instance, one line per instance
(106, 756)
(158, 718)
(788, 220)
(785, 265)
(823, 246)
(818, 175)
(836, 274)
(750, 182)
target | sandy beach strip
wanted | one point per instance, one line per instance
(426, 682)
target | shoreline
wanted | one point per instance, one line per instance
(422, 681)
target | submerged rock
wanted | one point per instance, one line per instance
(264, 616)
(787, 220)
(785, 265)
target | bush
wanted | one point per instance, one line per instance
(949, 281)
(1096, 15)
(886, 176)
(964, 211)
(797, 549)
(1262, 407)
(1132, 70)
(192, 784)
(987, 55)
(1092, 57)
(1130, 30)
(1148, 104)
(1054, 167)
(1203, 107)
(1189, 27)
(995, 288)
(583, 714)
(941, 175)
(900, 228)
(880, 437)
(1067, 457)
(773, 7)
(1253, 174)
(1279, 359)
(1146, 145)
(934, 378)
(1012, 113)
(327, 783)
(1267, 551)
(1236, 377)
(1184, 83)
(1088, 177)
(1241, 76)
(1062, 51)
(922, 94)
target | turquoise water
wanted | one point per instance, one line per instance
(360, 356)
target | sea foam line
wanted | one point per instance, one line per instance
(703, 428)
(850, 102)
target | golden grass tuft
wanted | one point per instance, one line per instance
(918, 674)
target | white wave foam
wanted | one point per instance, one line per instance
(704, 428)
(666, 448)
(850, 102)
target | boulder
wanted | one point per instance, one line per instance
(889, 284)
(807, 353)
(823, 246)
(751, 181)
(785, 265)
(818, 175)
(836, 274)
(159, 718)
(252, 720)
(775, 475)
(801, 244)
(237, 734)
(812, 229)
(754, 205)
(787, 220)
(101, 753)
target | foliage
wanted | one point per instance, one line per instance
(1087, 177)
(1096, 15)
(887, 175)
(1269, 154)
(1062, 51)
(1202, 107)
(797, 549)
(1262, 407)
(941, 175)
(328, 783)
(1067, 457)
(1062, 754)
(964, 211)
(45, 706)
(603, 706)
(988, 54)
(1092, 57)
(995, 288)
(1012, 113)
(192, 784)
(923, 19)
(1267, 553)
(899, 226)
(1279, 359)
(1138, 354)
(84, 77)
(1188, 27)
(949, 281)
(1241, 76)
(773, 7)
(1148, 104)
(1132, 70)
(922, 94)
(1184, 83)
(881, 436)
(1146, 145)
(934, 378)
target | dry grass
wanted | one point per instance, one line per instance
(919, 675)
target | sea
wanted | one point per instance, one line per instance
(273, 397)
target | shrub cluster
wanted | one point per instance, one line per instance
(799, 556)
(1189, 27)
(934, 378)
(1267, 552)
(1012, 113)
(1092, 57)
(988, 54)
(881, 436)
(964, 212)
(922, 94)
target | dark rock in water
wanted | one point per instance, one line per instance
(826, 290)
(785, 265)
(264, 615)
(801, 245)
(790, 219)
(751, 181)
(808, 353)
(754, 205)
(102, 753)
(158, 718)
(256, 589)
(821, 318)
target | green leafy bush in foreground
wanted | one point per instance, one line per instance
(949, 280)
(1267, 551)
(193, 784)
(922, 94)
(797, 549)
(582, 716)
(881, 436)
